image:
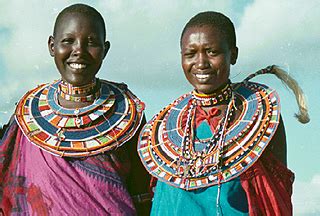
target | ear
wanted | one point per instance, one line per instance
(234, 55)
(51, 45)
(106, 48)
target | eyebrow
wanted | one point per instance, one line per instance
(66, 34)
(206, 46)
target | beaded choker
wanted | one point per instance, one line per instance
(220, 96)
(88, 92)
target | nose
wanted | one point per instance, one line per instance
(202, 61)
(78, 48)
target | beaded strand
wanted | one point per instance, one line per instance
(191, 160)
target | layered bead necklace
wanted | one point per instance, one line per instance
(193, 163)
(86, 93)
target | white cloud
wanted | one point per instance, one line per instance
(280, 31)
(28, 30)
(306, 197)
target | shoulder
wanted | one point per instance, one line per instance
(121, 90)
(38, 87)
(32, 92)
(257, 98)
(35, 93)
(247, 89)
(278, 143)
(119, 85)
(178, 104)
(8, 133)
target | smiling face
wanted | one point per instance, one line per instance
(78, 48)
(206, 58)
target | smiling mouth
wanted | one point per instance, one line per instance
(202, 76)
(77, 66)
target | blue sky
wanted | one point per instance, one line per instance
(145, 54)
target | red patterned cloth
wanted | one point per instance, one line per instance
(268, 186)
(212, 117)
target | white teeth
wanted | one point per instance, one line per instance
(202, 76)
(77, 66)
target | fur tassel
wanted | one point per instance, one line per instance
(302, 115)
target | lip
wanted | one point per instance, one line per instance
(203, 77)
(77, 65)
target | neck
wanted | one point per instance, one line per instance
(70, 96)
(222, 95)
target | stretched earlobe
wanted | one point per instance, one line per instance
(51, 45)
(106, 48)
(234, 55)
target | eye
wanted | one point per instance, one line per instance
(67, 40)
(93, 42)
(212, 52)
(189, 54)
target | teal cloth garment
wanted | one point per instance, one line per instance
(171, 201)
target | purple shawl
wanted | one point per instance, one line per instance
(35, 182)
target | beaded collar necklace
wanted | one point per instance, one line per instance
(220, 96)
(166, 149)
(86, 93)
(107, 123)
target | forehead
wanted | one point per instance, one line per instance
(202, 34)
(79, 20)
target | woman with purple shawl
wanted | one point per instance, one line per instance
(70, 148)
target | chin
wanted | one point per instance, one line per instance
(78, 81)
(205, 90)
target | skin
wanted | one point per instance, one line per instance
(79, 40)
(206, 58)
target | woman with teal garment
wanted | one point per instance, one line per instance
(220, 149)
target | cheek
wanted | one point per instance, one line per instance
(61, 53)
(190, 79)
(223, 73)
(97, 54)
(186, 65)
(218, 62)
(59, 49)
